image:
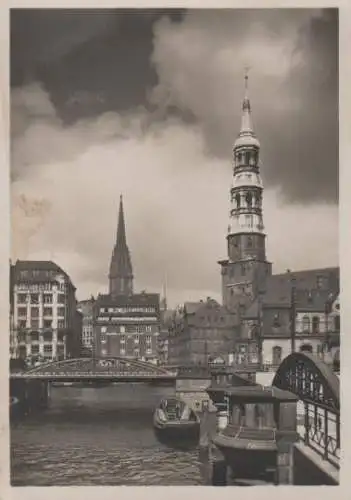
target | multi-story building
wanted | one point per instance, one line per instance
(127, 326)
(86, 308)
(201, 331)
(45, 325)
(293, 314)
(278, 313)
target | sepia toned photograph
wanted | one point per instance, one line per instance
(174, 277)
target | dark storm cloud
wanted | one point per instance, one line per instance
(293, 85)
(305, 157)
(99, 61)
(90, 61)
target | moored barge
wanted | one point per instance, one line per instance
(176, 424)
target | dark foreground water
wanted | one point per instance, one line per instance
(98, 437)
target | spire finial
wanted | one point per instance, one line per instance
(246, 77)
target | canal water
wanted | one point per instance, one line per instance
(98, 436)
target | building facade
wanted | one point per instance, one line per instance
(44, 322)
(201, 331)
(86, 307)
(127, 326)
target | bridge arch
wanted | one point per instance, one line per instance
(318, 389)
(98, 366)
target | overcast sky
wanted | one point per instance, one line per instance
(148, 103)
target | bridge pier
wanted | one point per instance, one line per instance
(32, 396)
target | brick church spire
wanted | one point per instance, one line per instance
(246, 268)
(121, 271)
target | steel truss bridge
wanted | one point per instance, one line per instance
(318, 389)
(114, 369)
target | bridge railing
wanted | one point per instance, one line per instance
(318, 409)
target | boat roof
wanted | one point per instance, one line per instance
(254, 393)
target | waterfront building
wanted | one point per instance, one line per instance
(127, 326)
(45, 324)
(87, 336)
(277, 313)
(201, 331)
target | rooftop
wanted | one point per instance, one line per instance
(36, 271)
(137, 299)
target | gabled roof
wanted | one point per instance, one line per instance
(309, 294)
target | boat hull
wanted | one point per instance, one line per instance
(248, 458)
(182, 435)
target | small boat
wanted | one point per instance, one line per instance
(257, 417)
(176, 424)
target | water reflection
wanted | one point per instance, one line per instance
(98, 437)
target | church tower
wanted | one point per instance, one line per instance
(245, 270)
(121, 271)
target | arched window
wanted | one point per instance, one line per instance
(249, 242)
(237, 199)
(315, 324)
(276, 355)
(306, 324)
(248, 199)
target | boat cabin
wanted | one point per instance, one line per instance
(256, 407)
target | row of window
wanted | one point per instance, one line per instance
(246, 157)
(127, 309)
(122, 339)
(36, 298)
(250, 199)
(41, 287)
(128, 329)
(48, 349)
(35, 323)
(22, 312)
(39, 336)
(306, 324)
(122, 352)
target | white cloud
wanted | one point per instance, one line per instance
(176, 203)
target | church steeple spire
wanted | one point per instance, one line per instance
(121, 239)
(245, 270)
(121, 271)
(247, 188)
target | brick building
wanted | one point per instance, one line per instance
(127, 326)
(200, 331)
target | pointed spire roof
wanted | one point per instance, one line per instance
(121, 240)
(121, 264)
(246, 136)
